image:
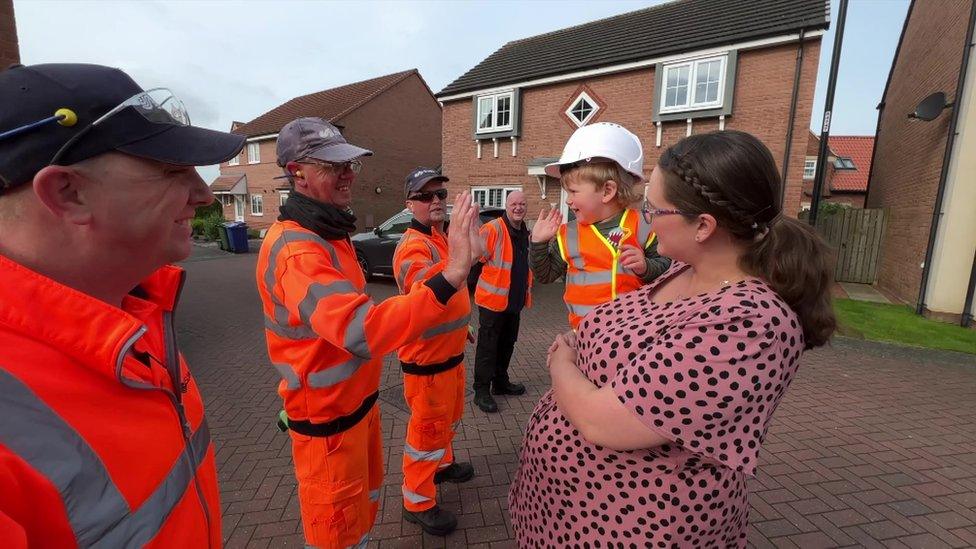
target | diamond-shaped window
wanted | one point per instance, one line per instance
(582, 110)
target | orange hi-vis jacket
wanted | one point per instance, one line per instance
(325, 336)
(496, 276)
(418, 257)
(103, 440)
(594, 274)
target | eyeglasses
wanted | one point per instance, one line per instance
(157, 105)
(355, 166)
(428, 196)
(650, 213)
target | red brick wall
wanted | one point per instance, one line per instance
(908, 156)
(402, 128)
(9, 51)
(763, 91)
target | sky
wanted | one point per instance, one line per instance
(234, 60)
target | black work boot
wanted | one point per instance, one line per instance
(435, 521)
(455, 472)
(508, 388)
(485, 402)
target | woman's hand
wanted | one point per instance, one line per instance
(563, 349)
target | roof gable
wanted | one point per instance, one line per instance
(330, 104)
(667, 29)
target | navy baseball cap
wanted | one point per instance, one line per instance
(65, 113)
(420, 177)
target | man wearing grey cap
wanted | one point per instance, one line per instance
(433, 366)
(327, 338)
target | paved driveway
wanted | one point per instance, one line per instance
(873, 446)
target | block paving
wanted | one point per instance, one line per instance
(873, 445)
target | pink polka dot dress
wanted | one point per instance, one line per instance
(707, 372)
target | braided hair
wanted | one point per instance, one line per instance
(732, 176)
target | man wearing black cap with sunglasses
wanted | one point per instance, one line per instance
(103, 439)
(326, 336)
(433, 365)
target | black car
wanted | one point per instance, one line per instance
(374, 249)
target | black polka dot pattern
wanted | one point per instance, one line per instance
(706, 372)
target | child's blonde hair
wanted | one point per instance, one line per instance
(598, 172)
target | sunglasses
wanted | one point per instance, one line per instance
(355, 166)
(428, 196)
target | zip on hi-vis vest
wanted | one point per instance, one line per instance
(613, 243)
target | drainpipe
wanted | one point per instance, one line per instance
(946, 157)
(792, 119)
(967, 309)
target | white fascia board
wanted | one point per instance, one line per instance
(753, 44)
(262, 137)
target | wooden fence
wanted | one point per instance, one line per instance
(855, 236)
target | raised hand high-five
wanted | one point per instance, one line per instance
(546, 226)
(459, 252)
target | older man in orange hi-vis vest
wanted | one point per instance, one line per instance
(433, 365)
(327, 338)
(504, 288)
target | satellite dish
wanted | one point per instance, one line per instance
(931, 107)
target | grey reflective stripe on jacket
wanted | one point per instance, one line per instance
(572, 246)
(498, 254)
(401, 278)
(97, 511)
(447, 327)
(354, 340)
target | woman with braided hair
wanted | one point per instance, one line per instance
(662, 400)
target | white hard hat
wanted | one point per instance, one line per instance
(602, 140)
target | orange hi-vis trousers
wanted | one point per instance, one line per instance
(436, 405)
(339, 481)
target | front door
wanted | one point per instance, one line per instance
(238, 208)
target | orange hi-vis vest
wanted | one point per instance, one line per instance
(418, 257)
(103, 441)
(594, 274)
(325, 336)
(496, 276)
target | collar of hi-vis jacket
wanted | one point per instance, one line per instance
(418, 226)
(88, 330)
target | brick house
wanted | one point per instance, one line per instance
(9, 49)
(924, 172)
(663, 72)
(848, 166)
(365, 111)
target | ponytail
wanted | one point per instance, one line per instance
(792, 258)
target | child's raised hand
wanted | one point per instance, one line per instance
(546, 226)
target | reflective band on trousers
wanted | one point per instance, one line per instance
(97, 511)
(447, 327)
(413, 497)
(423, 455)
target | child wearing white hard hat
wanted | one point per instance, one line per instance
(608, 249)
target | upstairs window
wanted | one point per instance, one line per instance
(844, 163)
(234, 161)
(693, 85)
(495, 112)
(254, 153)
(809, 169)
(582, 110)
(492, 197)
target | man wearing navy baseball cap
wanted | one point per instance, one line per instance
(104, 440)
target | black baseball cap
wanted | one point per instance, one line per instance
(143, 128)
(420, 177)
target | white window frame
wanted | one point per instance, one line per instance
(582, 96)
(283, 197)
(226, 199)
(494, 98)
(809, 169)
(693, 65)
(260, 204)
(234, 161)
(254, 152)
(486, 191)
